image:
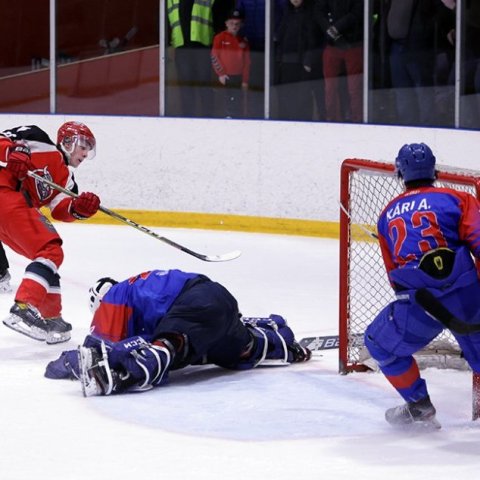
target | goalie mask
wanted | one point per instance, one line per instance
(98, 291)
(75, 136)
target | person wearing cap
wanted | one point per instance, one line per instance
(230, 58)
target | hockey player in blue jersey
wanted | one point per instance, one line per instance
(163, 320)
(427, 238)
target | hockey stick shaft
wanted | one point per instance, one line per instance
(439, 312)
(362, 227)
(206, 258)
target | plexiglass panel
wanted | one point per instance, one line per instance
(470, 66)
(108, 57)
(412, 55)
(24, 51)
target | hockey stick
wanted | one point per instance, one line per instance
(362, 227)
(439, 312)
(329, 342)
(206, 258)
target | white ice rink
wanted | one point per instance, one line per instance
(298, 422)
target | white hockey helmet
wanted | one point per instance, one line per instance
(98, 291)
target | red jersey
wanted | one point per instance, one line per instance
(231, 55)
(47, 161)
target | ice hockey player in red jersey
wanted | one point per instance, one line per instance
(37, 309)
(231, 63)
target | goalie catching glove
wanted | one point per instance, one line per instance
(85, 205)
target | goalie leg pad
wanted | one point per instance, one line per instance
(96, 376)
(145, 362)
(273, 339)
(129, 365)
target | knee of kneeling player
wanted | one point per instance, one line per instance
(378, 353)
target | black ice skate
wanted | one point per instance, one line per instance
(299, 353)
(58, 330)
(421, 413)
(27, 320)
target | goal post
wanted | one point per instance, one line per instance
(366, 187)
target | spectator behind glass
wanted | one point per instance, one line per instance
(191, 35)
(444, 69)
(293, 52)
(410, 28)
(472, 66)
(253, 12)
(231, 63)
(342, 23)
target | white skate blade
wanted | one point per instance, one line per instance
(16, 323)
(57, 337)
(273, 362)
(427, 425)
(430, 425)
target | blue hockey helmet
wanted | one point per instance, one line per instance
(415, 161)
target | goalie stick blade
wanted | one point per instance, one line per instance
(329, 342)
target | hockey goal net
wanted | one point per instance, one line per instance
(366, 188)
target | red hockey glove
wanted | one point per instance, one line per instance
(18, 160)
(85, 205)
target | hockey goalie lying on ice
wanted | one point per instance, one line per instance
(164, 320)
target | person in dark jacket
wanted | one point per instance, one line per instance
(253, 13)
(411, 32)
(294, 48)
(341, 21)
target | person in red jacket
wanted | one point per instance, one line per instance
(231, 62)
(37, 309)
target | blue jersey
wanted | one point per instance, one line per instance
(413, 224)
(137, 305)
(426, 218)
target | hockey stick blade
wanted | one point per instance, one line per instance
(206, 258)
(329, 342)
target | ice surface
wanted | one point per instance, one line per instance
(302, 421)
